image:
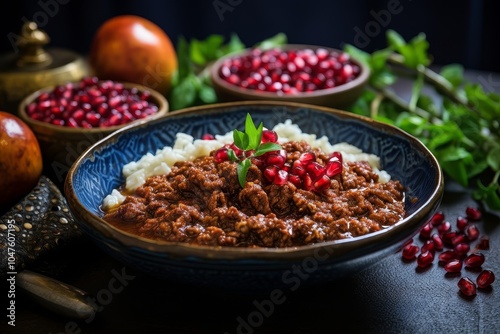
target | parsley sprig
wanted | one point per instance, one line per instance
(461, 128)
(250, 142)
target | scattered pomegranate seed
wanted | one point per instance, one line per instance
(462, 223)
(437, 219)
(454, 266)
(444, 228)
(485, 278)
(472, 232)
(90, 104)
(462, 249)
(447, 256)
(425, 259)
(473, 213)
(438, 242)
(467, 286)
(426, 230)
(484, 243)
(428, 247)
(460, 242)
(474, 260)
(410, 251)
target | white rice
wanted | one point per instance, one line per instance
(186, 148)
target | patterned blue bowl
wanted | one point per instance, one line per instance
(98, 171)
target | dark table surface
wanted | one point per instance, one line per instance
(391, 296)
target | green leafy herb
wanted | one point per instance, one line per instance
(460, 127)
(250, 143)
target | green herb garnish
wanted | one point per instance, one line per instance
(250, 142)
(461, 127)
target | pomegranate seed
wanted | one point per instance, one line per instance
(333, 167)
(437, 219)
(426, 230)
(462, 223)
(483, 244)
(438, 243)
(474, 260)
(270, 173)
(472, 232)
(307, 157)
(428, 247)
(307, 182)
(269, 136)
(295, 180)
(473, 213)
(462, 249)
(298, 169)
(276, 159)
(485, 279)
(337, 155)
(208, 136)
(410, 251)
(454, 266)
(444, 227)
(447, 256)
(425, 259)
(322, 183)
(467, 286)
(458, 239)
(448, 237)
(281, 177)
(316, 170)
(221, 155)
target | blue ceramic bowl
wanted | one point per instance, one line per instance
(98, 171)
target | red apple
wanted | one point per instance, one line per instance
(20, 159)
(132, 49)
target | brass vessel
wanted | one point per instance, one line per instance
(32, 66)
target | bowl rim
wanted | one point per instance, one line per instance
(187, 251)
(360, 80)
(160, 100)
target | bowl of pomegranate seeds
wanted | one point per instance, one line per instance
(296, 73)
(70, 117)
(254, 194)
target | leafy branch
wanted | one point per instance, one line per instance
(250, 142)
(461, 128)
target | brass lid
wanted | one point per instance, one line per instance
(32, 66)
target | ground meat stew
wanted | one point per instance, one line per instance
(201, 202)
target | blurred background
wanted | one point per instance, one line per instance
(461, 31)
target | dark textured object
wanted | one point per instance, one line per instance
(38, 223)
